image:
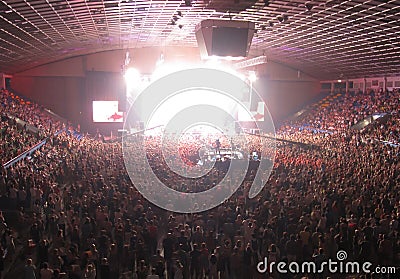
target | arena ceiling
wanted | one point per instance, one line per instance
(326, 39)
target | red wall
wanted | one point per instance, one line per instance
(285, 90)
(284, 98)
(71, 97)
(63, 95)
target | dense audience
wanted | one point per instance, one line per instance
(340, 115)
(87, 220)
(27, 111)
(388, 132)
(17, 116)
(14, 140)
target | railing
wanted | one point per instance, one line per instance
(308, 106)
(308, 127)
(28, 152)
(32, 129)
(22, 123)
(369, 119)
(24, 154)
(392, 144)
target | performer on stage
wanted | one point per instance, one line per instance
(217, 147)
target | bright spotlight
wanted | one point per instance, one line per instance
(252, 76)
(160, 60)
(213, 61)
(190, 98)
(132, 75)
(165, 69)
(132, 79)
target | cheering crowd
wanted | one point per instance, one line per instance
(86, 220)
(341, 114)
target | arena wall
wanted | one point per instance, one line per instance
(67, 86)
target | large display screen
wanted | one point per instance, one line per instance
(107, 111)
(229, 41)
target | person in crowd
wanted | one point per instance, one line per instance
(29, 270)
(89, 272)
(46, 272)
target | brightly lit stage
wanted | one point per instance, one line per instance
(222, 159)
(210, 154)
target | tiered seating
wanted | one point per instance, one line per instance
(23, 125)
(328, 100)
(339, 115)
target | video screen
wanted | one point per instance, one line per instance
(107, 111)
(229, 41)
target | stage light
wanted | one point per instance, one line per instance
(285, 18)
(193, 97)
(215, 62)
(164, 69)
(252, 76)
(160, 60)
(132, 74)
(132, 78)
(212, 62)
